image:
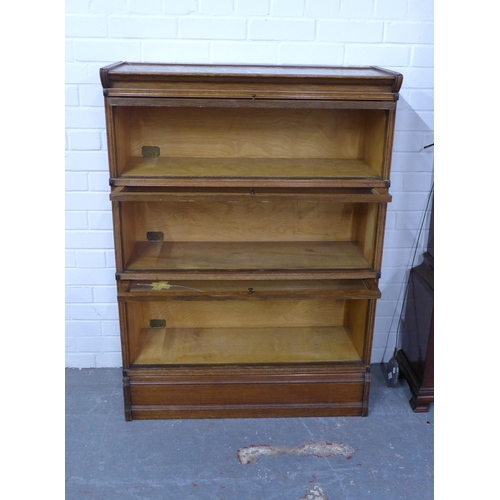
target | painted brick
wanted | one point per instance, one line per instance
(100, 220)
(395, 274)
(386, 307)
(100, 276)
(91, 311)
(75, 72)
(405, 32)
(110, 328)
(377, 355)
(389, 9)
(90, 258)
(391, 291)
(77, 6)
(99, 181)
(428, 118)
(142, 27)
(404, 95)
(428, 141)
(86, 160)
(145, 6)
(91, 95)
(390, 220)
(109, 359)
(385, 324)
(76, 220)
(86, 26)
(110, 258)
(70, 344)
(417, 181)
(419, 78)
(68, 51)
(76, 181)
(350, 31)
(322, 8)
(99, 344)
(411, 120)
(109, 6)
(287, 8)
(394, 256)
(176, 51)
(83, 328)
(384, 339)
(210, 28)
(104, 141)
(413, 162)
(87, 201)
(288, 29)
(84, 139)
(401, 239)
(78, 294)
(245, 52)
(421, 10)
(104, 294)
(385, 285)
(176, 7)
(423, 56)
(252, 7)
(405, 141)
(89, 239)
(216, 7)
(88, 118)
(107, 50)
(409, 201)
(357, 9)
(396, 181)
(377, 55)
(313, 53)
(70, 257)
(71, 95)
(411, 220)
(79, 360)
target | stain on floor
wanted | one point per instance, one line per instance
(315, 493)
(320, 449)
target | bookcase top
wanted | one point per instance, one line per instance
(123, 75)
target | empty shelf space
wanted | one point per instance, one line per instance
(244, 345)
(245, 256)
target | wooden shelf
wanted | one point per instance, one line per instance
(247, 289)
(244, 346)
(260, 170)
(246, 256)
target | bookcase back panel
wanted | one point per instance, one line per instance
(235, 313)
(241, 220)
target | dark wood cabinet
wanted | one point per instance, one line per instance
(249, 207)
(416, 353)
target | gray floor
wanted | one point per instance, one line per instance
(107, 457)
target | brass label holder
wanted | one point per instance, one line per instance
(150, 151)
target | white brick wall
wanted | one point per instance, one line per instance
(396, 34)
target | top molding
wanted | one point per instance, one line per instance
(126, 79)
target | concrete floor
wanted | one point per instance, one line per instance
(108, 458)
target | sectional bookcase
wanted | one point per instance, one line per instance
(249, 206)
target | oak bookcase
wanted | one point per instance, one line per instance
(249, 206)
